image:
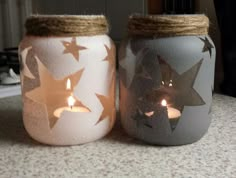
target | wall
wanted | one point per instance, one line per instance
(117, 11)
(14, 12)
(12, 17)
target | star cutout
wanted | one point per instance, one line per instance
(152, 115)
(72, 48)
(26, 54)
(141, 119)
(185, 94)
(146, 73)
(207, 45)
(108, 102)
(52, 93)
(26, 43)
(127, 66)
(142, 72)
(31, 83)
(111, 55)
(181, 93)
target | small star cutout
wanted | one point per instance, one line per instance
(207, 45)
(147, 74)
(52, 93)
(152, 115)
(127, 66)
(111, 58)
(108, 102)
(26, 54)
(142, 72)
(141, 119)
(72, 48)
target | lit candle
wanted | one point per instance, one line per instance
(57, 113)
(172, 112)
(71, 108)
(71, 102)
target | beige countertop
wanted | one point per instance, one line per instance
(118, 155)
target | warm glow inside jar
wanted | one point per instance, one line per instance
(166, 69)
(68, 79)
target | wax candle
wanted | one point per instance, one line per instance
(172, 112)
(58, 112)
(71, 108)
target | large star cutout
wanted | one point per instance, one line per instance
(185, 94)
(181, 93)
(52, 93)
(111, 55)
(72, 48)
(108, 102)
(207, 45)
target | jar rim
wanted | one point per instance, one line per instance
(66, 25)
(168, 25)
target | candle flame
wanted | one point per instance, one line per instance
(71, 101)
(164, 102)
(68, 84)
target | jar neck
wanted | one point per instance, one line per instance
(66, 25)
(167, 25)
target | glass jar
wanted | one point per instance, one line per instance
(166, 69)
(68, 79)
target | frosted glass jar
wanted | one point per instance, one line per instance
(68, 79)
(167, 78)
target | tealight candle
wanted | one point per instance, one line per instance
(71, 108)
(172, 112)
(59, 111)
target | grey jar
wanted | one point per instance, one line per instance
(166, 79)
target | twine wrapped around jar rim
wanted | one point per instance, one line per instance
(167, 25)
(66, 25)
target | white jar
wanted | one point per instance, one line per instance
(68, 79)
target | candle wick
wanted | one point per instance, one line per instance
(71, 107)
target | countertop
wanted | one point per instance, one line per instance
(118, 155)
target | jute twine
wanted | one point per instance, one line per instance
(66, 25)
(167, 25)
